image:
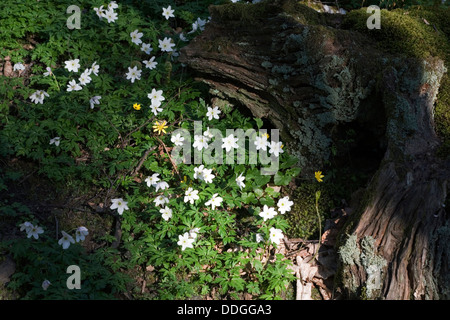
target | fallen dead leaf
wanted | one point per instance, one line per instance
(8, 69)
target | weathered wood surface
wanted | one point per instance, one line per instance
(404, 213)
(307, 80)
(308, 77)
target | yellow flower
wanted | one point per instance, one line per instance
(160, 126)
(137, 106)
(319, 176)
(265, 135)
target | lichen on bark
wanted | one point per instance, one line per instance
(363, 256)
(295, 71)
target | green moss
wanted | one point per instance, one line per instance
(404, 32)
(253, 14)
(439, 17)
(303, 220)
(303, 13)
(442, 116)
(242, 13)
(313, 5)
(6, 294)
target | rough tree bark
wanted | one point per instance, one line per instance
(299, 70)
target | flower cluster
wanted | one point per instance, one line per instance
(275, 147)
(18, 67)
(166, 45)
(31, 230)
(55, 141)
(34, 231)
(84, 79)
(38, 96)
(191, 195)
(109, 14)
(198, 25)
(156, 97)
(202, 174)
(67, 239)
(156, 182)
(284, 205)
(72, 66)
(231, 142)
(133, 74)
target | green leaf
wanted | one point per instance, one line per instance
(237, 283)
(289, 162)
(259, 122)
(248, 198)
(253, 288)
(281, 179)
(261, 180)
(153, 166)
(257, 264)
(268, 201)
(293, 172)
(258, 192)
(271, 192)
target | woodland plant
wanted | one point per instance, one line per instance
(97, 112)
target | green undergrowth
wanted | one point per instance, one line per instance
(106, 153)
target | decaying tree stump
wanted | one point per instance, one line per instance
(404, 252)
(300, 71)
(307, 80)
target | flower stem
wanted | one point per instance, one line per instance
(320, 223)
(57, 83)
